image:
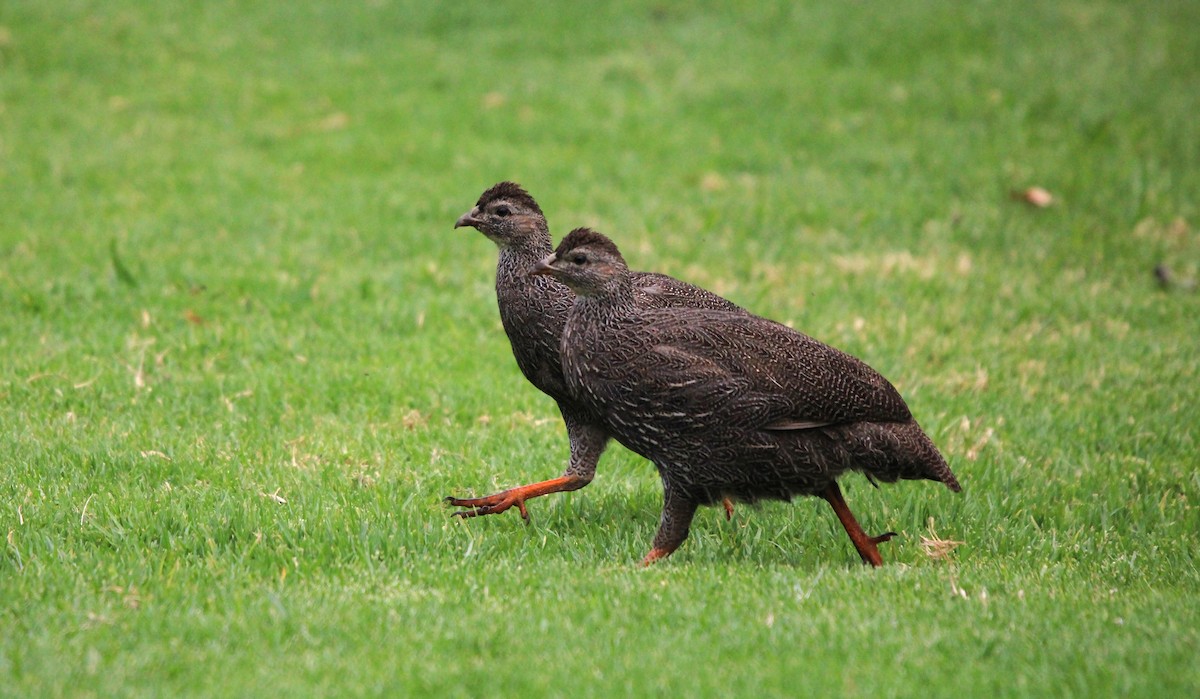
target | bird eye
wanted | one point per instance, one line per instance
(579, 258)
(503, 211)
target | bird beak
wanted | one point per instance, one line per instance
(543, 267)
(471, 218)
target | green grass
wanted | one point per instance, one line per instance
(243, 354)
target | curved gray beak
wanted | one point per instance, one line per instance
(542, 267)
(471, 218)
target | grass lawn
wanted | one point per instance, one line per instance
(243, 354)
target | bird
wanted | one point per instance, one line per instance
(729, 405)
(533, 310)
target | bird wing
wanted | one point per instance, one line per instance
(754, 367)
(661, 291)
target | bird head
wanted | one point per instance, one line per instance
(508, 216)
(586, 261)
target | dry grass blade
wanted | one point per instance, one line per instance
(936, 547)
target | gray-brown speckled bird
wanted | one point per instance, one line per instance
(729, 405)
(533, 310)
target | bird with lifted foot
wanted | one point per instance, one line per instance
(533, 310)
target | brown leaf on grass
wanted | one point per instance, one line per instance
(1034, 196)
(192, 317)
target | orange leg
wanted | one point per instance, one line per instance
(866, 545)
(655, 554)
(499, 502)
(728, 509)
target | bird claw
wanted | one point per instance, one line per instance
(887, 536)
(489, 505)
(654, 555)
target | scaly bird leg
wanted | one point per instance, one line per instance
(496, 503)
(866, 545)
(588, 441)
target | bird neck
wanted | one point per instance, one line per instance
(529, 237)
(614, 298)
(518, 258)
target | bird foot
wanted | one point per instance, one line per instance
(496, 503)
(492, 504)
(728, 509)
(868, 551)
(654, 555)
(866, 545)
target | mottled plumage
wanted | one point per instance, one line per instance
(728, 405)
(533, 310)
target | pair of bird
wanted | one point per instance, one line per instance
(728, 406)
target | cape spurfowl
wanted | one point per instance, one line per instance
(533, 310)
(728, 405)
